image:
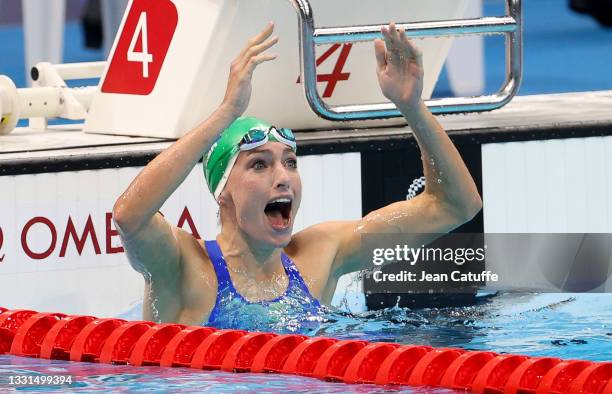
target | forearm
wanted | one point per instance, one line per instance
(162, 176)
(447, 176)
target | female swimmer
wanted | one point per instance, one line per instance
(257, 274)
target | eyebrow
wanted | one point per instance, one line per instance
(267, 151)
(258, 150)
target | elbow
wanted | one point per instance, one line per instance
(121, 217)
(469, 208)
(128, 219)
(463, 210)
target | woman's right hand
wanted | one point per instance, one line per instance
(238, 92)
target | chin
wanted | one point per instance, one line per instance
(266, 235)
(282, 243)
(281, 240)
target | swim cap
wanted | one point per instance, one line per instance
(221, 157)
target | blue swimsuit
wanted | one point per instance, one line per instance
(296, 310)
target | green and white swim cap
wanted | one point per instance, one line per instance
(222, 156)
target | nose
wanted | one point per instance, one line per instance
(282, 180)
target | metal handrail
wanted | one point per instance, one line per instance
(510, 25)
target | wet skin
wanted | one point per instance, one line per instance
(180, 282)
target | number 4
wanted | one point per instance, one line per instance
(142, 57)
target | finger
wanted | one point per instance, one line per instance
(259, 38)
(386, 32)
(401, 37)
(264, 34)
(405, 45)
(395, 38)
(381, 56)
(394, 54)
(387, 38)
(257, 50)
(411, 49)
(257, 60)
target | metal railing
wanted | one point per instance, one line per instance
(509, 25)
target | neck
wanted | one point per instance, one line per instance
(248, 256)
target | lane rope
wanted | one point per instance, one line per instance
(115, 341)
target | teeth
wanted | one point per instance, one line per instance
(287, 200)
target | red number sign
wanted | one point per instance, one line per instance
(337, 75)
(142, 47)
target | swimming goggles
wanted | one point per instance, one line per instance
(257, 137)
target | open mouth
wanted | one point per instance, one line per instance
(278, 212)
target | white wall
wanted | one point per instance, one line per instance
(556, 186)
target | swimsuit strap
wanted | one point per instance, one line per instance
(225, 282)
(295, 278)
(218, 262)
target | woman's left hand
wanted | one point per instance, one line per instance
(400, 68)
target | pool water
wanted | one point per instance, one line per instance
(88, 377)
(559, 325)
(554, 325)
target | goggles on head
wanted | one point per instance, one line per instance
(257, 137)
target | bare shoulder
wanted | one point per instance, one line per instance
(314, 250)
(326, 235)
(315, 237)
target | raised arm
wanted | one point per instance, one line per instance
(450, 197)
(151, 243)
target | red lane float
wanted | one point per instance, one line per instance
(211, 352)
(429, 370)
(593, 379)
(461, 373)
(58, 341)
(493, 376)
(88, 343)
(398, 365)
(6, 339)
(241, 354)
(149, 348)
(12, 320)
(116, 341)
(29, 337)
(560, 377)
(119, 345)
(334, 360)
(273, 355)
(179, 351)
(365, 365)
(527, 377)
(304, 357)
(608, 388)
